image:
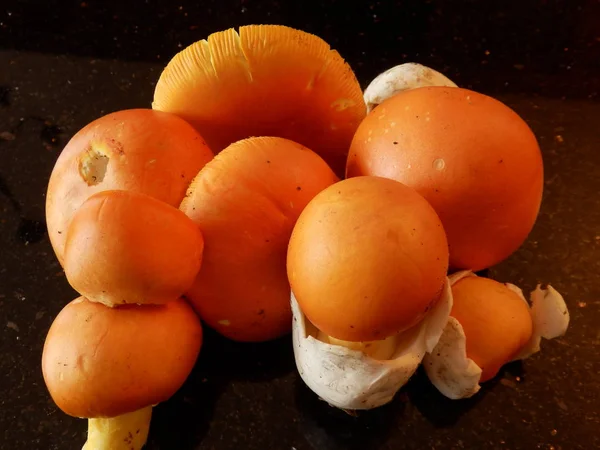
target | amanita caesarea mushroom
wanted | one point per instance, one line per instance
(367, 264)
(265, 80)
(112, 365)
(123, 247)
(491, 324)
(474, 159)
(140, 150)
(401, 78)
(246, 202)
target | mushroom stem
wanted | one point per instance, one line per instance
(126, 432)
(382, 350)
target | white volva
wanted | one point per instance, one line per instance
(401, 78)
(457, 376)
(350, 379)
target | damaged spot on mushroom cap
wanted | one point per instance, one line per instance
(224, 322)
(439, 164)
(93, 164)
(342, 104)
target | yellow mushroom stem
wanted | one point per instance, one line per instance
(382, 350)
(126, 432)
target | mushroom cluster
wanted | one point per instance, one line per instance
(129, 341)
(266, 194)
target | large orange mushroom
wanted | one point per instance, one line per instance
(266, 80)
(246, 202)
(141, 150)
(473, 158)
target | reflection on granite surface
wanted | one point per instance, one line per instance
(249, 397)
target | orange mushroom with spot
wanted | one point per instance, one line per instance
(367, 263)
(491, 324)
(124, 247)
(246, 202)
(112, 365)
(140, 150)
(473, 158)
(265, 80)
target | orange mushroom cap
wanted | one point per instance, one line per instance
(367, 259)
(141, 150)
(496, 322)
(246, 201)
(473, 158)
(104, 362)
(268, 80)
(125, 247)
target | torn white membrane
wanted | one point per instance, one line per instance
(401, 78)
(457, 376)
(350, 379)
(549, 314)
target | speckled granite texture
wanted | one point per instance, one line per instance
(62, 64)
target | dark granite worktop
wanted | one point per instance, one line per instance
(63, 64)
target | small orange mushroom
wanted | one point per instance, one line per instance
(491, 324)
(124, 247)
(140, 150)
(246, 202)
(266, 80)
(496, 322)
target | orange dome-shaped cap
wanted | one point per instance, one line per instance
(367, 258)
(104, 362)
(125, 247)
(141, 150)
(246, 202)
(473, 158)
(268, 80)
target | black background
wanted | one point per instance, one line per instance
(542, 46)
(63, 64)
